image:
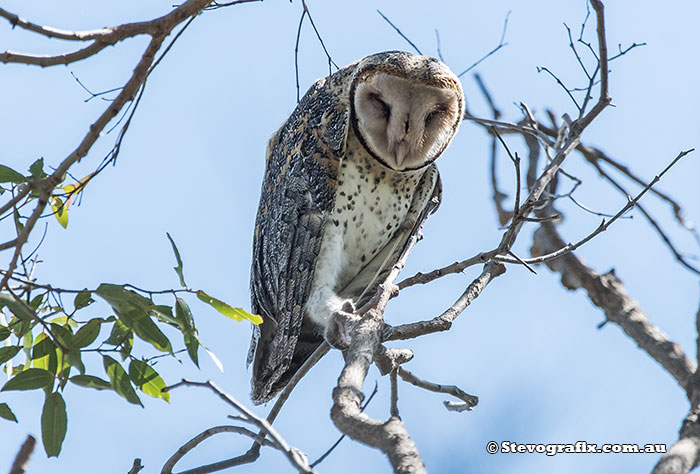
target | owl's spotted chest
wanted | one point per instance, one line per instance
(371, 204)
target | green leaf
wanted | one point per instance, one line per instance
(127, 345)
(29, 379)
(144, 327)
(54, 423)
(19, 227)
(4, 332)
(118, 334)
(91, 381)
(44, 354)
(165, 314)
(73, 359)
(184, 316)
(6, 413)
(36, 302)
(234, 313)
(37, 169)
(178, 268)
(120, 298)
(63, 334)
(8, 175)
(192, 344)
(28, 341)
(87, 334)
(21, 328)
(60, 210)
(17, 307)
(133, 310)
(64, 320)
(120, 380)
(83, 299)
(147, 380)
(16, 369)
(7, 353)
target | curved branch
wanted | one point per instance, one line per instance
(444, 322)
(469, 401)
(206, 434)
(608, 293)
(295, 457)
(113, 34)
(390, 436)
(160, 27)
(45, 61)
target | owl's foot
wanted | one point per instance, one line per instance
(387, 331)
(340, 324)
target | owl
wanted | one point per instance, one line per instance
(347, 178)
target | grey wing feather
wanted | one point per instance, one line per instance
(298, 194)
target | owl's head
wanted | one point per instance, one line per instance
(405, 108)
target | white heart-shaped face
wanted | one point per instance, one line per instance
(405, 124)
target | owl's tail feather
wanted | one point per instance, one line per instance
(272, 373)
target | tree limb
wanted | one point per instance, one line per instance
(608, 293)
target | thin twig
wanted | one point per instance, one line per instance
(399, 32)
(439, 50)
(342, 437)
(296, 53)
(293, 455)
(501, 44)
(604, 225)
(470, 400)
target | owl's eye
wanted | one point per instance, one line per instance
(436, 113)
(381, 105)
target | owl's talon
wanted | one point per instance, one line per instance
(348, 307)
(387, 332)
(337, 332)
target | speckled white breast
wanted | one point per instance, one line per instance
(372, 202)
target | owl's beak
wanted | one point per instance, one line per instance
(401, 152)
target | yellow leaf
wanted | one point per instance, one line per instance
(60, 211)
(73, 190)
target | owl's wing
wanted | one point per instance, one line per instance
(298, 194)
(426, 200)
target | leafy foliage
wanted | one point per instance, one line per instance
(53, 338)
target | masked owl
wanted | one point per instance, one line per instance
(347, 177)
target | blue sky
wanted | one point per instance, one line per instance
(192, 163)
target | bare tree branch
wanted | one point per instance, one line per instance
(295, 457)
(631, 202)
(204, 435)
(684, 454)
(608, 293)
(469, 400)
(399, 32)
(158, 28)
(44, 61)
(444, 321)
(136, 467)
(342, 437)
(501, 44)
(389, 436)
(25, 452)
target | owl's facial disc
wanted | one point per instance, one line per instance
(405, 124)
